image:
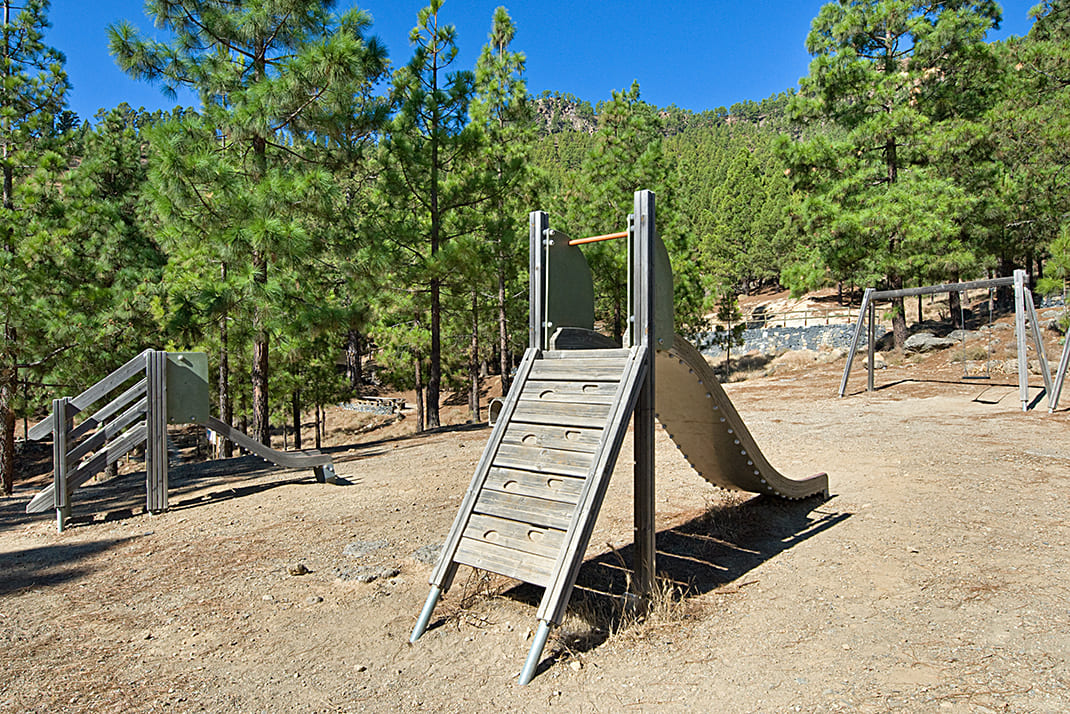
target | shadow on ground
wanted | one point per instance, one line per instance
(50, 565)
(714, 550)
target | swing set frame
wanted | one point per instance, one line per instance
(1023, 308)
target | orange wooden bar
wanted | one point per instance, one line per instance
(595, 239)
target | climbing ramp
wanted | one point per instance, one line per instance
(140, 399)
(701, 419)
(545, 468)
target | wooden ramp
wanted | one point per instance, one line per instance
(321, 464)
(530, 509)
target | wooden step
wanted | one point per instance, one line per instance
(582, 391)
(576, 370)
(552, 437)
(526, 509)
(550, 487)
(534, 411)
(523, 537)
(551, 461)
(526, 567)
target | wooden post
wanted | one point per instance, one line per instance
(643, 234)
(872, 347)
(538, 224)
(854, 338)
(156, 437)
(61, 424)
(1038, 342)
(1053, 398)
(1019, 333)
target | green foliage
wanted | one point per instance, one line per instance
(729, 329)
(36, 310)
(244, 188)
(894, 78)
(430, 175)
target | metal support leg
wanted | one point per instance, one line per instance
(325, 474)
(425, 614)
(535, 654)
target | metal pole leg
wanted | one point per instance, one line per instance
(536, 652)
(425, 614)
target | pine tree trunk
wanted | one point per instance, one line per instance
(224, 447)
(354, 369)
(503, 327)
(319, 426)
(8, 386)
(434, 379)
(261, 425)
(954, 305)
(899, 321)
(419, 393)
(296, 412)
(473, 362)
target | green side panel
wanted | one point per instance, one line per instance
(664, 329)
(187, 388)
(569, 289)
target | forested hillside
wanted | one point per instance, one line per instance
(325, 205)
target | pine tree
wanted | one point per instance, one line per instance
(429, 176)
(884, 73)
(279, 81)
(34, 91)
(502, 110)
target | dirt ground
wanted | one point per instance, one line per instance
(936, 577)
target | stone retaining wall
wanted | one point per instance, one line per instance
(771, 340)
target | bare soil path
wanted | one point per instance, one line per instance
(936, 578)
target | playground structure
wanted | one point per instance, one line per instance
(538, 487)
(167, 388)
(1060, 374)
(1023, 311)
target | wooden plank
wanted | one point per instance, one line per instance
(111, 429)
(552, 437)
(581, 415)
(1019, 333)
(607, 370)
(945, 288)
(523, 537)
(551, 487)
(643, 414)
(1053, 398)
(60, 464)
(538, 224)
(526, 509)
(854, 339)
(442, 576)
(44, 500)
(110, 409)
(526, 567)
(619, 354)
(98, 390)
(585, 391)
(1038, 341)
(553, 461)
(286, 459)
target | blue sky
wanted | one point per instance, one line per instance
(697, 55)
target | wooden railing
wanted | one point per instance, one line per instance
(134, 416)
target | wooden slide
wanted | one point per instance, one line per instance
(321, 464)
(700, 418)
